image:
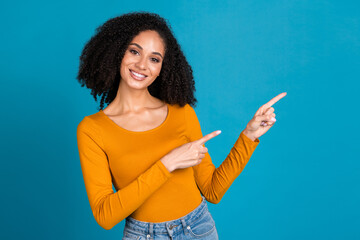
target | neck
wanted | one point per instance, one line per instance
(133, 100)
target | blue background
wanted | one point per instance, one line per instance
(302, 182)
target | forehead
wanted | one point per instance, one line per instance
(150, 40)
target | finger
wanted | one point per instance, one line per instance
(270, 110)
(267, 105)
(264, 118)
(203, 149)
(270, 120)
(271, 117)
(197, 154)
(274, 100)
(268, 124)
(196, 162)
(207, 137)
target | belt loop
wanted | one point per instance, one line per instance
(150, 230)
(185, 226)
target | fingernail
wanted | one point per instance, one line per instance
(273, 119)
(218, 131)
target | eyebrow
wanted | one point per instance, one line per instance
(157, 53)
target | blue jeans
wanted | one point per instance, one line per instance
(198, 224)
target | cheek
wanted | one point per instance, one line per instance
(157, 69)
(128, 58)
(124, 63)
(123, 70)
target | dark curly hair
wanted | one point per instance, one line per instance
(102, 55)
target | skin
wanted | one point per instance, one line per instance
(136, 110)
(191, 154)
(133, 107)
(263, 119)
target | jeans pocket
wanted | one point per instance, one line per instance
(203, 226)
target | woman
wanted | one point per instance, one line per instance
(148, 142)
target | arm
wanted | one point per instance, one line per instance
(214, 182)
(110, 208)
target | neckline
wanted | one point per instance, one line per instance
(138, 132)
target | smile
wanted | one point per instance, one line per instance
(137, 76)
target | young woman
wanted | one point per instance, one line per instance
(147, 142)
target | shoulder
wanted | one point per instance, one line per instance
(89, 132)
(188, 114)
(90, 122)
(189, 111)
(186, 110)
(187, 107)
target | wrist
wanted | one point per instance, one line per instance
(249, 134)
(166, 163)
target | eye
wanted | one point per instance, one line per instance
(133, 51)
(155, 60)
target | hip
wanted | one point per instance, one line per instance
(198, 224)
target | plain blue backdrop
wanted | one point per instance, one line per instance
(303, 180)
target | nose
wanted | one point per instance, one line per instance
(141, 63)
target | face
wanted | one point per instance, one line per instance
(142, 60)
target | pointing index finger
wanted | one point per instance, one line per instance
(207, 137)
(274, 100)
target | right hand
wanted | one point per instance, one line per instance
(187, 155)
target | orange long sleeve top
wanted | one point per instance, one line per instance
(145, 189)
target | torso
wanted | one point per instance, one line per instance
(145, 120)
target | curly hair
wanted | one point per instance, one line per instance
(102, 55)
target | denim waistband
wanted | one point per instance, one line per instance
(170, 227)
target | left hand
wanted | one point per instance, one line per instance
(263, 119)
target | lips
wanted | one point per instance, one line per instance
(136, 75)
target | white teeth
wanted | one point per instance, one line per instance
(137, 74)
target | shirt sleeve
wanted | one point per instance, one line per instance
(214, 182)
(110, 208)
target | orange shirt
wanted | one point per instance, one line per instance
(145, 189)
